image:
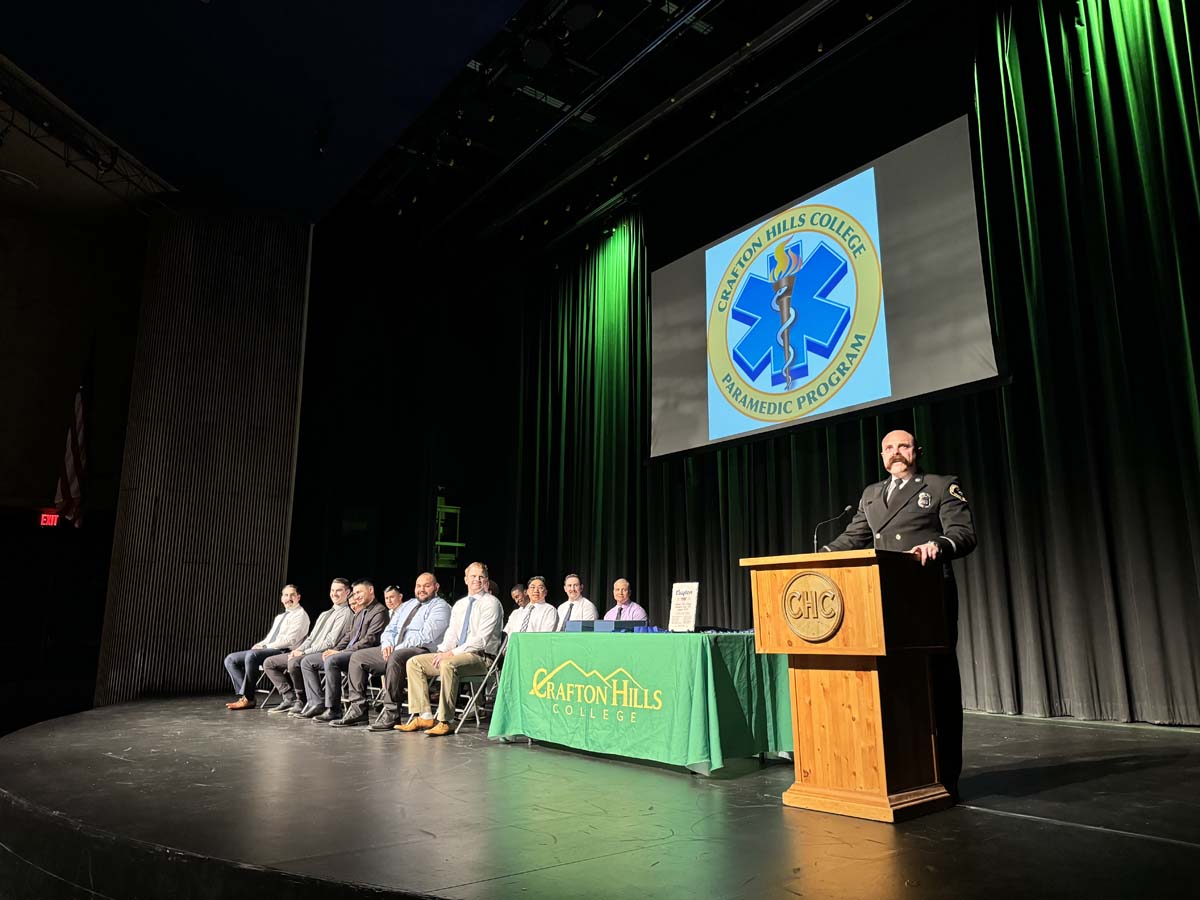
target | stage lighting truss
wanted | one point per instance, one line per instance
(25, 107)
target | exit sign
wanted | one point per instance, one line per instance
(49, 520)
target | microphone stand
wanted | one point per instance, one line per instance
(826, 522)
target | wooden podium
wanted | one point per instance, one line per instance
(858, 628)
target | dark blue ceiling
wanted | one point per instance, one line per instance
(277, 104)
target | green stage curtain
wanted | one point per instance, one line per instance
(1083, 598)
(579, 445)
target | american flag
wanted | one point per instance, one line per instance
(69, 494)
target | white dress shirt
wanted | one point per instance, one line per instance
(288, 630)
(483, 630)
(583, 610)
(534, 617)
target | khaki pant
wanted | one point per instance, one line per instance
(421, 669)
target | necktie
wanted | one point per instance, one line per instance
(404, 627)
(619, 608)
(274, 629)
(895, 486)
(462, 635)
(362, 617)
(528, 616)
(567, 617)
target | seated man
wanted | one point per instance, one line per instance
(286, 632)
(625, 608)
(392, 598)
(520, 595)
(537, 615)
(416, 627)
(471, 642)
(577, 607)
(369, 621)
(284, 668)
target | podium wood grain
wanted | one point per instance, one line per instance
(862, 717)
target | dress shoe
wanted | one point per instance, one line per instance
(347, 721)
(327, 716)
(311, 712)
(439, 729)
(382, 725)
(244, 703)
(284, 707)
(416, 724)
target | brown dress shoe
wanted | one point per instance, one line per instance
(244, 703)
(416, 724)
(439, 729)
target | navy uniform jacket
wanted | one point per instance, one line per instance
(928, 508)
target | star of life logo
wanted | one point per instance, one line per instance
(794, 313)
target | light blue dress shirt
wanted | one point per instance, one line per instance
(426, 628)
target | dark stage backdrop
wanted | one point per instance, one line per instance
(1082, 597)
(200, 546)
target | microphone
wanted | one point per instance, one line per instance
(826, 522)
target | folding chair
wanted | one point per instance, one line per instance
(480, 687)
(258, 688)
(375, 691)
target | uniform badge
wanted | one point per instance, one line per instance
(957, 494)
(924, 500)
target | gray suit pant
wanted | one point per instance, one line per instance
(371, 662)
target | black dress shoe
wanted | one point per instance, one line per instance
(282, 708)
(311, 712)
(327, 716)
(346, 721)
(382, 725)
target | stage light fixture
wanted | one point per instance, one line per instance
(579, 16)
(537, 53)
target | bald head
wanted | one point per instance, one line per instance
(621, 591)
(425, 587)
(899, 453)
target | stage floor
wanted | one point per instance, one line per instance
(183, 799)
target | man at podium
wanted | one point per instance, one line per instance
(926, 515)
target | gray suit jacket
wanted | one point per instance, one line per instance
(374, 619)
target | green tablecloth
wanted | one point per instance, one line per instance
(683, 699)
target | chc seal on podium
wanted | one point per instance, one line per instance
(813, 606)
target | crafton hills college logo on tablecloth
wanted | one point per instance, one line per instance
(572, 691)
(813, 606)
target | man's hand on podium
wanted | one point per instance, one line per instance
(925, 552)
